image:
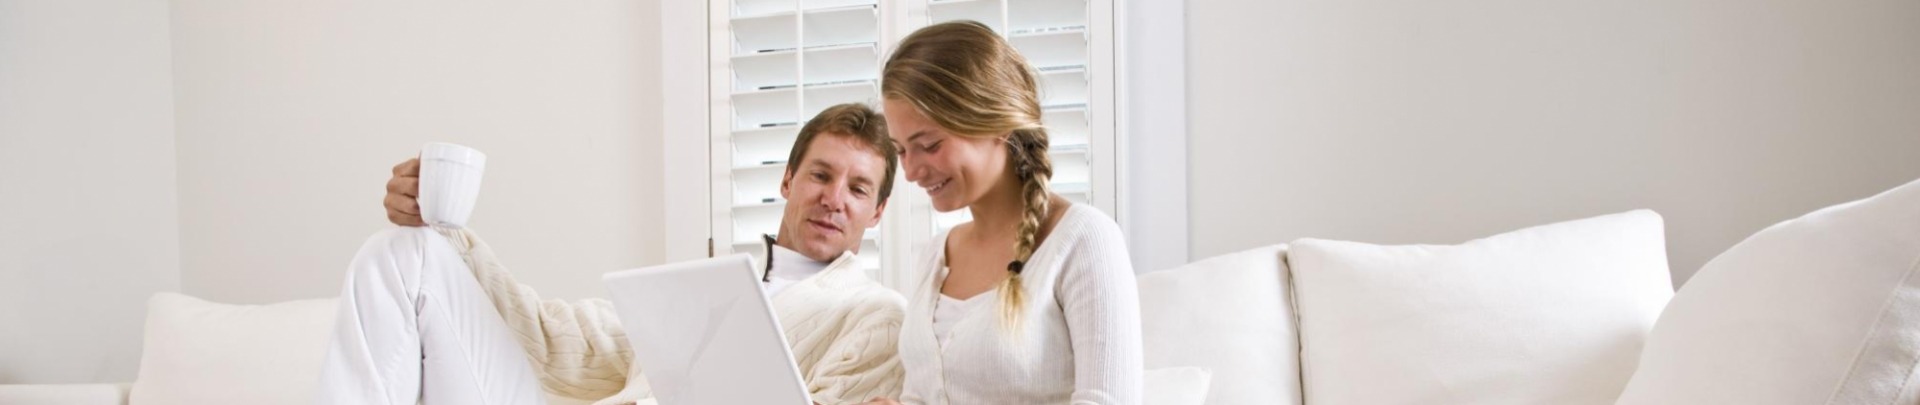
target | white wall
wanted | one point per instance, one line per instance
(292, 113)
(1437, 122)
(87, 225)
(1153, 124)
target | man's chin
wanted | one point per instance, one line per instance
(822, 250)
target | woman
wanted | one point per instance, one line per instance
(1034, 301)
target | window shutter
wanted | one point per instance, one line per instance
(782, 61)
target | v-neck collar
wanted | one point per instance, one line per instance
(939, 277)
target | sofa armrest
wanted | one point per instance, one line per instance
(64, 394)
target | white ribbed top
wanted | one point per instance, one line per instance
(1078, 340)
(951, 310)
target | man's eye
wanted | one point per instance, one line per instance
(819, 176)
(861, 191)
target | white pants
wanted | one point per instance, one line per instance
(414, 327)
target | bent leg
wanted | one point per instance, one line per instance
(414, 326)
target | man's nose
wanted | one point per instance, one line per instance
(835, 196)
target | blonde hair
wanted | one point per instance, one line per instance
(970, 81)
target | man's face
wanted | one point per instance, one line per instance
(832, 198)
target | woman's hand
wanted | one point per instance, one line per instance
(403, 191)
(882, 401)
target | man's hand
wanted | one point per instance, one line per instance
(403, 192)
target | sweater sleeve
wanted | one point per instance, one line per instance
(1101, 301)
(863, 362)
(577, 348)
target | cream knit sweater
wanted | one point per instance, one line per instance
(843, 327)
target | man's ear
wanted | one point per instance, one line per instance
(786, 183)
(878, 212)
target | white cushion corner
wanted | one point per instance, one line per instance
(1824, 308)
(1232, 315)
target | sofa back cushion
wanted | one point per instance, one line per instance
(200, 352)
(1554, 314)
(1824, 309)
(1231, 315)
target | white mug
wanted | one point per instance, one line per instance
(449, 183)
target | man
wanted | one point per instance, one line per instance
(435, 318)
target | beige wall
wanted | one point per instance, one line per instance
(87, 225)
(291, 114)
(236, 150)
(1437, 122)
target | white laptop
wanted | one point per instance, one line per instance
(704, 333)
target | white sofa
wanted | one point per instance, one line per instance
(1820, 309)
(201, 352)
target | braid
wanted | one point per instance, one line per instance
(1034, 168)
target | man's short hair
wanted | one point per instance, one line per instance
(855, 120)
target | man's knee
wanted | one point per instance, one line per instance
(398, 241)
(404, 249)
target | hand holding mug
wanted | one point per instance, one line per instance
(403, 191)
(437, 189)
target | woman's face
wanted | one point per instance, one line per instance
(954, 170)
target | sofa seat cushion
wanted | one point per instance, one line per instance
(1176, 386)
(64, 394)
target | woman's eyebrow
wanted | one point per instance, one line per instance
(917, 135)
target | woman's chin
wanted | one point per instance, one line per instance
(947, 206)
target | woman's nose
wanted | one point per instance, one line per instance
(914, 171)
